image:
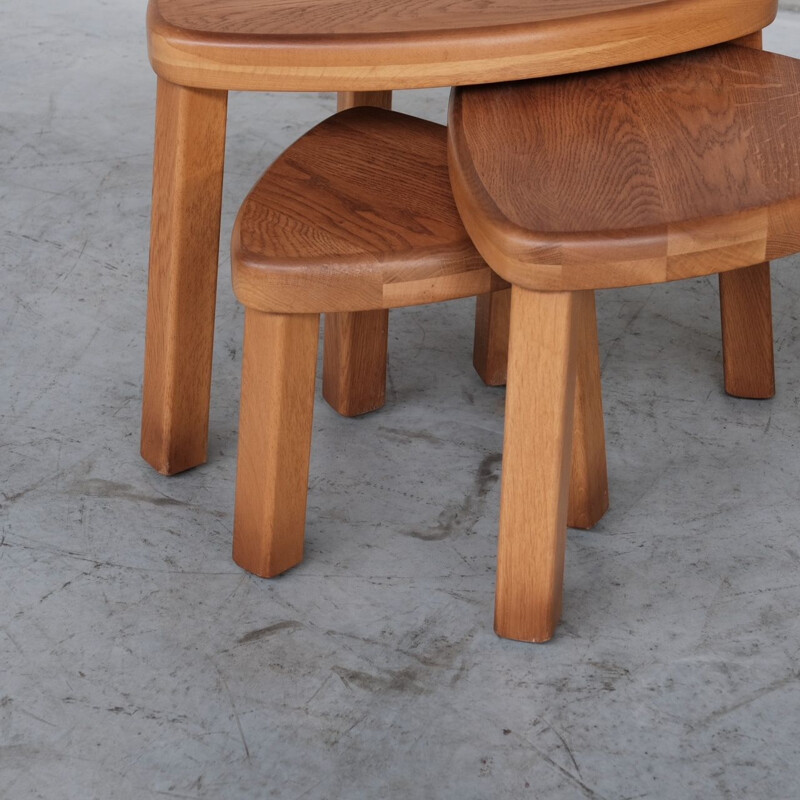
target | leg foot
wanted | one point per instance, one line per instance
(536, 464)
(279, 364)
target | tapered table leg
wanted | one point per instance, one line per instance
(536, 464)
(184, 245)
(356, 343)
(279, 364)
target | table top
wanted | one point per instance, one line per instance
(640, 174)
(372, 45)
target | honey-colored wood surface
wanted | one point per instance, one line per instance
(356, 343)
(362, 45)
(356, 215)
(588, 485)
(647, 173)
(184, 242)
(279, 363)
(747, 342)
(536, 463)
(746, 309)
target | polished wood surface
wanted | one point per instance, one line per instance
(653, 172)
(536, 447)
(356, 343)
(184, 245)
(356, 215)
(279, 363)
(354, 45)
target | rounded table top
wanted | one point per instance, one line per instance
(357, 214)
(644, 173)
(371, 45)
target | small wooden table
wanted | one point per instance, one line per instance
(362, 49)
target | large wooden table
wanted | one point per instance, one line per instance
(362, 49)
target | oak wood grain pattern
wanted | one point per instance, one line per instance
(356, 215)
(279, 363)
(653, 172)
(184, 247)
(536, 464)
(355, 45)
(588, 485)
(747, 340)
(356, 343)
(746, 311)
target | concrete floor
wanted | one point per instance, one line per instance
(137, 661)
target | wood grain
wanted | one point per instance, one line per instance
(356, 215)
(279, 363)
(536, 464)
(354, 45)
(184, 247)
(671, 169)
(745, 299)
(357, 343)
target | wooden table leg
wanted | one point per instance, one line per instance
(490, 345)
(588, 493)
(588, 486)
(536, 463)
(747, 344)
(279, 364)
(746, 308)
(356, 343)
(184, 245)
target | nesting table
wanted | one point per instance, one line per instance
(364, 49)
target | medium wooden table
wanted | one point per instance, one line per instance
(362, 49)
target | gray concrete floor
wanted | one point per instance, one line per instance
(137, 661)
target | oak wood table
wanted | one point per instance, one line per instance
(641, 174)
(362, 49)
